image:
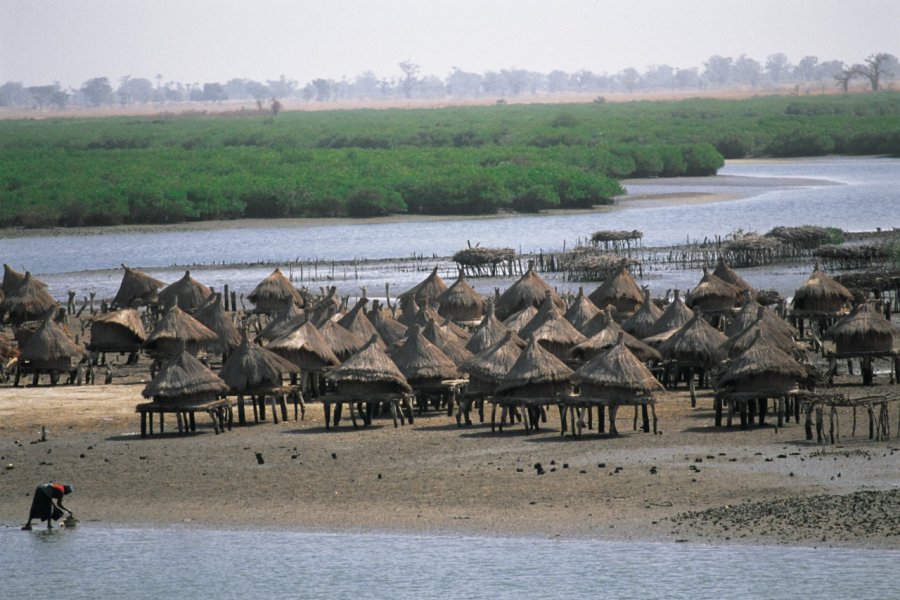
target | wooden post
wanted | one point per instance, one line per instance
(717, 403)
(808, 423)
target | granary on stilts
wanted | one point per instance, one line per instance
(188, 293)
(821, 300)
(581, 311)
(460, 302)
(551, 329)
(306, 348)
(275, 293)
(697, 346)
(175, 328)
(427, 291)
(486, 370)
(429, 371)
(489, 332)
(866, 335)
(49, 350)
(620, 291)
(29, 301)
(529, 290)
(136, 289)
(641, 323)
(120, 331)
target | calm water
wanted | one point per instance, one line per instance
(865, 194)
(92, 562)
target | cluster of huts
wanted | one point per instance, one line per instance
(449, 348)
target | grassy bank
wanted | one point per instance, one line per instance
(472, 160)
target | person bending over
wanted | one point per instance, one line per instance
(47, 503)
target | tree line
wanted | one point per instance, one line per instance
(807, 75)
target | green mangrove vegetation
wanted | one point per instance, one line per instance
(471, 160)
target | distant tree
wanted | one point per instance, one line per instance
(275, 107)
(134, 90)
(718, 69)
(558, 81)
(806, 68)
(13, 93)
(59, 98)
(875, 68)
(463, 84)
(214, 92)
(323, 89)
(282, 87)
(408, 83)
(843, 79)
(42, 94)
(659, 77)
(777, 67)
(97, 91)
(747, 71)
(629, 79)
(366, 85)
(687, 78)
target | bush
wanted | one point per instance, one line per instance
(701, 159)
(374, 203)
(800, 143)
(535, 198)
(734, 146)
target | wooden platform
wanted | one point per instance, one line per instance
(397, 402)
(218, 410)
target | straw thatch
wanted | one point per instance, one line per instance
(805, 237)
(118, 331)
(409, 309)
(390, 329)
(713, 295)
(252, 369)
(327, 306)
(552, 330)
(306, 348)
(616, 374)
(343, 342)
(51, 348)
(461, 302)
(581, 311)
(428, 290)
(621, 291)
(12, 279)
(676, 316)
(357, 322)
(370, 371)
(136, 288)
(697, 344)
(480, 257)
(763, 370)
(529, 290)
(29, 301)
(609, 336)
(488, 368)
(863, 331)
(520, 319)
(641, 323)
(536, 374)
(761, 328)
(728, 275)
(183, 378)
(177, 326)
(187, 292)
(213, 315)
(821, 295)
(422, 362)
(426, 314)
(282, 323)
(8, 349)
(489, 332)
(275, 292)
(447, 341)
(750, 312)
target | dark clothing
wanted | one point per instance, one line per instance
(42, 506)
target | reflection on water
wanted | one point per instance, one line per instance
(91, 562)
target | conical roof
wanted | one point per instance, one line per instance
(176, 325)
(460, 301)
(762, 328)
(184, 377)
(766, 367)
(529, 290)
(428, 290)
(493, 363)
(276, 290)
(213, 315)
(418, 359)
(31, 300)
(187, 292)
(126, 318)
(50, 344)
(713, 294)
(283, 323)
(343, 342)
(357, 322)
(535, 367)
(426, 314)
(409, 309)
(581, 311)
(608, 337)
(136, 287)
(728, 275)
(676, 315)
(821, 294)
(305, 347)
(620, 290)
(864, 330)
(327, 306)
(696, 344)
(641, 323)
(251, 368)
(552, 330)
(750, 312)
(516, 321)
(489, 332)
(449, 343)
(12, 279)
(389, 329)
(369, 366)
(618, 371)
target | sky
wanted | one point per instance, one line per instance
(199, 41)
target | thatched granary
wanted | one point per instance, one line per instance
(864, 331)
(724, 272)
(750, 312)
(762, 371)
(12, 279)
(421, 362)
(357, 322)
(529, 290)
(713, 295)
(537, 374)
(213, 315)
(764, 328)
(117, 331)
(306, 348)
(327, 307)
(427, 314)
(608, 337)
(447, 341)
(187, 292)
(676, 316)
(696, 344)
(29, 301)
(516, 321)
(641, 323)
(50, 349)
(282, 323)
(343, 342)
(488, 368)
(551, 329)
(275, 292)
(136, 288)
(581, 311)
(821, 296)
(409, 309)
(489, 332)
(252, 369)
(389, 329)
(428, 290)
(177, 327)
(367, 373)
(461, 302)
(621, 291)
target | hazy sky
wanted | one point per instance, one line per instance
(70, 41)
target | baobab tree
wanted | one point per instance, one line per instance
(875, 68)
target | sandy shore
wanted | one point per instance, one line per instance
(692, 482)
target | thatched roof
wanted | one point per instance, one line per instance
(617, 370)
(805, 236)
(552, 330)
(357, 322)
(766, 367)
(460, 301)
(529, 290)
(419, 359)
(713, 294)
(493, 363)
(697, 344)
(676, 315)
(12, 279)
(534, 367)
(183, 377)
(187, 292)
(581, 311)
(409, 309)
(8, 348)
(390, 329)
(864, 329)
(213, 315)
(176, 325)
(251, 368)
(609, 336)
(305, 347)
(369, 366)
(821, 294)
(50, 344)
(327, 306)
(275, 290)
(136, 287)
(31, 300)
(641, 323)
(343, 342)
(127, 318)
(478, 256)
(426, 314)
(760, 328)
(283, 323)
(520, 319)
(447, 341)
(750, 312)
(620, 290)
(728, 275)
(428, 290)
(489, 332)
